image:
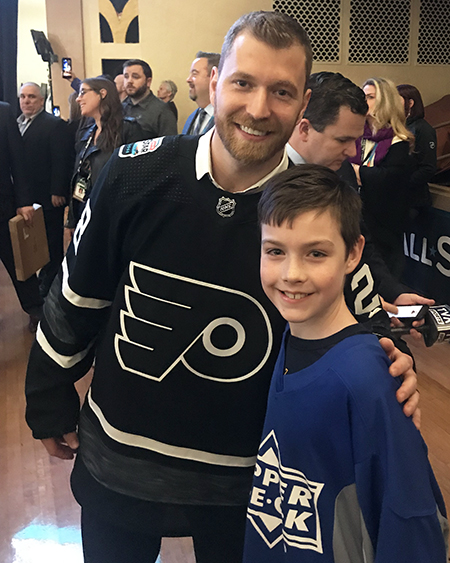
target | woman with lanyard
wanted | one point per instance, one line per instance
(382, 167)
(105, 129)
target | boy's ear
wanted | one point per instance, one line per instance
(354, 256)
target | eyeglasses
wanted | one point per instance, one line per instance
(84, 91)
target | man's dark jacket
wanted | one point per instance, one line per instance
(48, 158)
(12, 195)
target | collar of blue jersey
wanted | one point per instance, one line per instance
(203, 163)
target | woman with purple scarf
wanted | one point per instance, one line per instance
(382, 167)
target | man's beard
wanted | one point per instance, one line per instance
(140, 92)
(192, 94)
(246, 151)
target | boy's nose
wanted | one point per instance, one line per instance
(294, 272)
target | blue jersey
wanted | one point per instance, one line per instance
(342, 475)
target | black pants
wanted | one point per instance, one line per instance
(28, 290)
(217, 531)
(54, 227)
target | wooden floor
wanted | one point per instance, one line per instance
(39, 520)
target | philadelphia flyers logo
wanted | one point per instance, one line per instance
(217, 333)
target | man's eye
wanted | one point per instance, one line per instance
(242, 83)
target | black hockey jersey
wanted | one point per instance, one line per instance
(162, 279)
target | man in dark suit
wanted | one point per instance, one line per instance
(47, 156)
(201, 120)
(15, 197)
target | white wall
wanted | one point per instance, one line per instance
(30, 66)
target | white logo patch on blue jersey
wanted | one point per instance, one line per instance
(140, 148)
(283, 502)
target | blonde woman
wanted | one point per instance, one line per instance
(382, 167)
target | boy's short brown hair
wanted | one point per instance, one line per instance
(310, 187)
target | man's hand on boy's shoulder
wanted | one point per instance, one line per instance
(402, 364)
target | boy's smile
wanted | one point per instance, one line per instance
(303, 268)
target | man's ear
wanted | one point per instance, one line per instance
(213, 84)
(303, 129)
(354, 256)
(306, 98)
(149, 82)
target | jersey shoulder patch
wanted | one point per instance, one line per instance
(140, 148)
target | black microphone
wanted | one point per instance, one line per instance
(436, 327)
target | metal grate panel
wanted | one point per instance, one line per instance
(434, 32)
(379, 31)
(322, 21)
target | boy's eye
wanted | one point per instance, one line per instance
(274, 252)
(317, 254)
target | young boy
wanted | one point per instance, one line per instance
(342, 475)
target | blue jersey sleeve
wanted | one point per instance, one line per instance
(402, 506)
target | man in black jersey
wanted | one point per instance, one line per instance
(333, 121)
(161, 284)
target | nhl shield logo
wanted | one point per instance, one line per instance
(226, 206)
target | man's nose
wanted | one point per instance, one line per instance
(258, 104)
(350, 149)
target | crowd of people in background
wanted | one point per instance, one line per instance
(393, 160)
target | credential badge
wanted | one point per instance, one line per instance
(226, 206)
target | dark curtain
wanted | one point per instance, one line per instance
(8, 51)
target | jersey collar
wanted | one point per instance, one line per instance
(203, 163)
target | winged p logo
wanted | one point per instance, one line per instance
(217, 333)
